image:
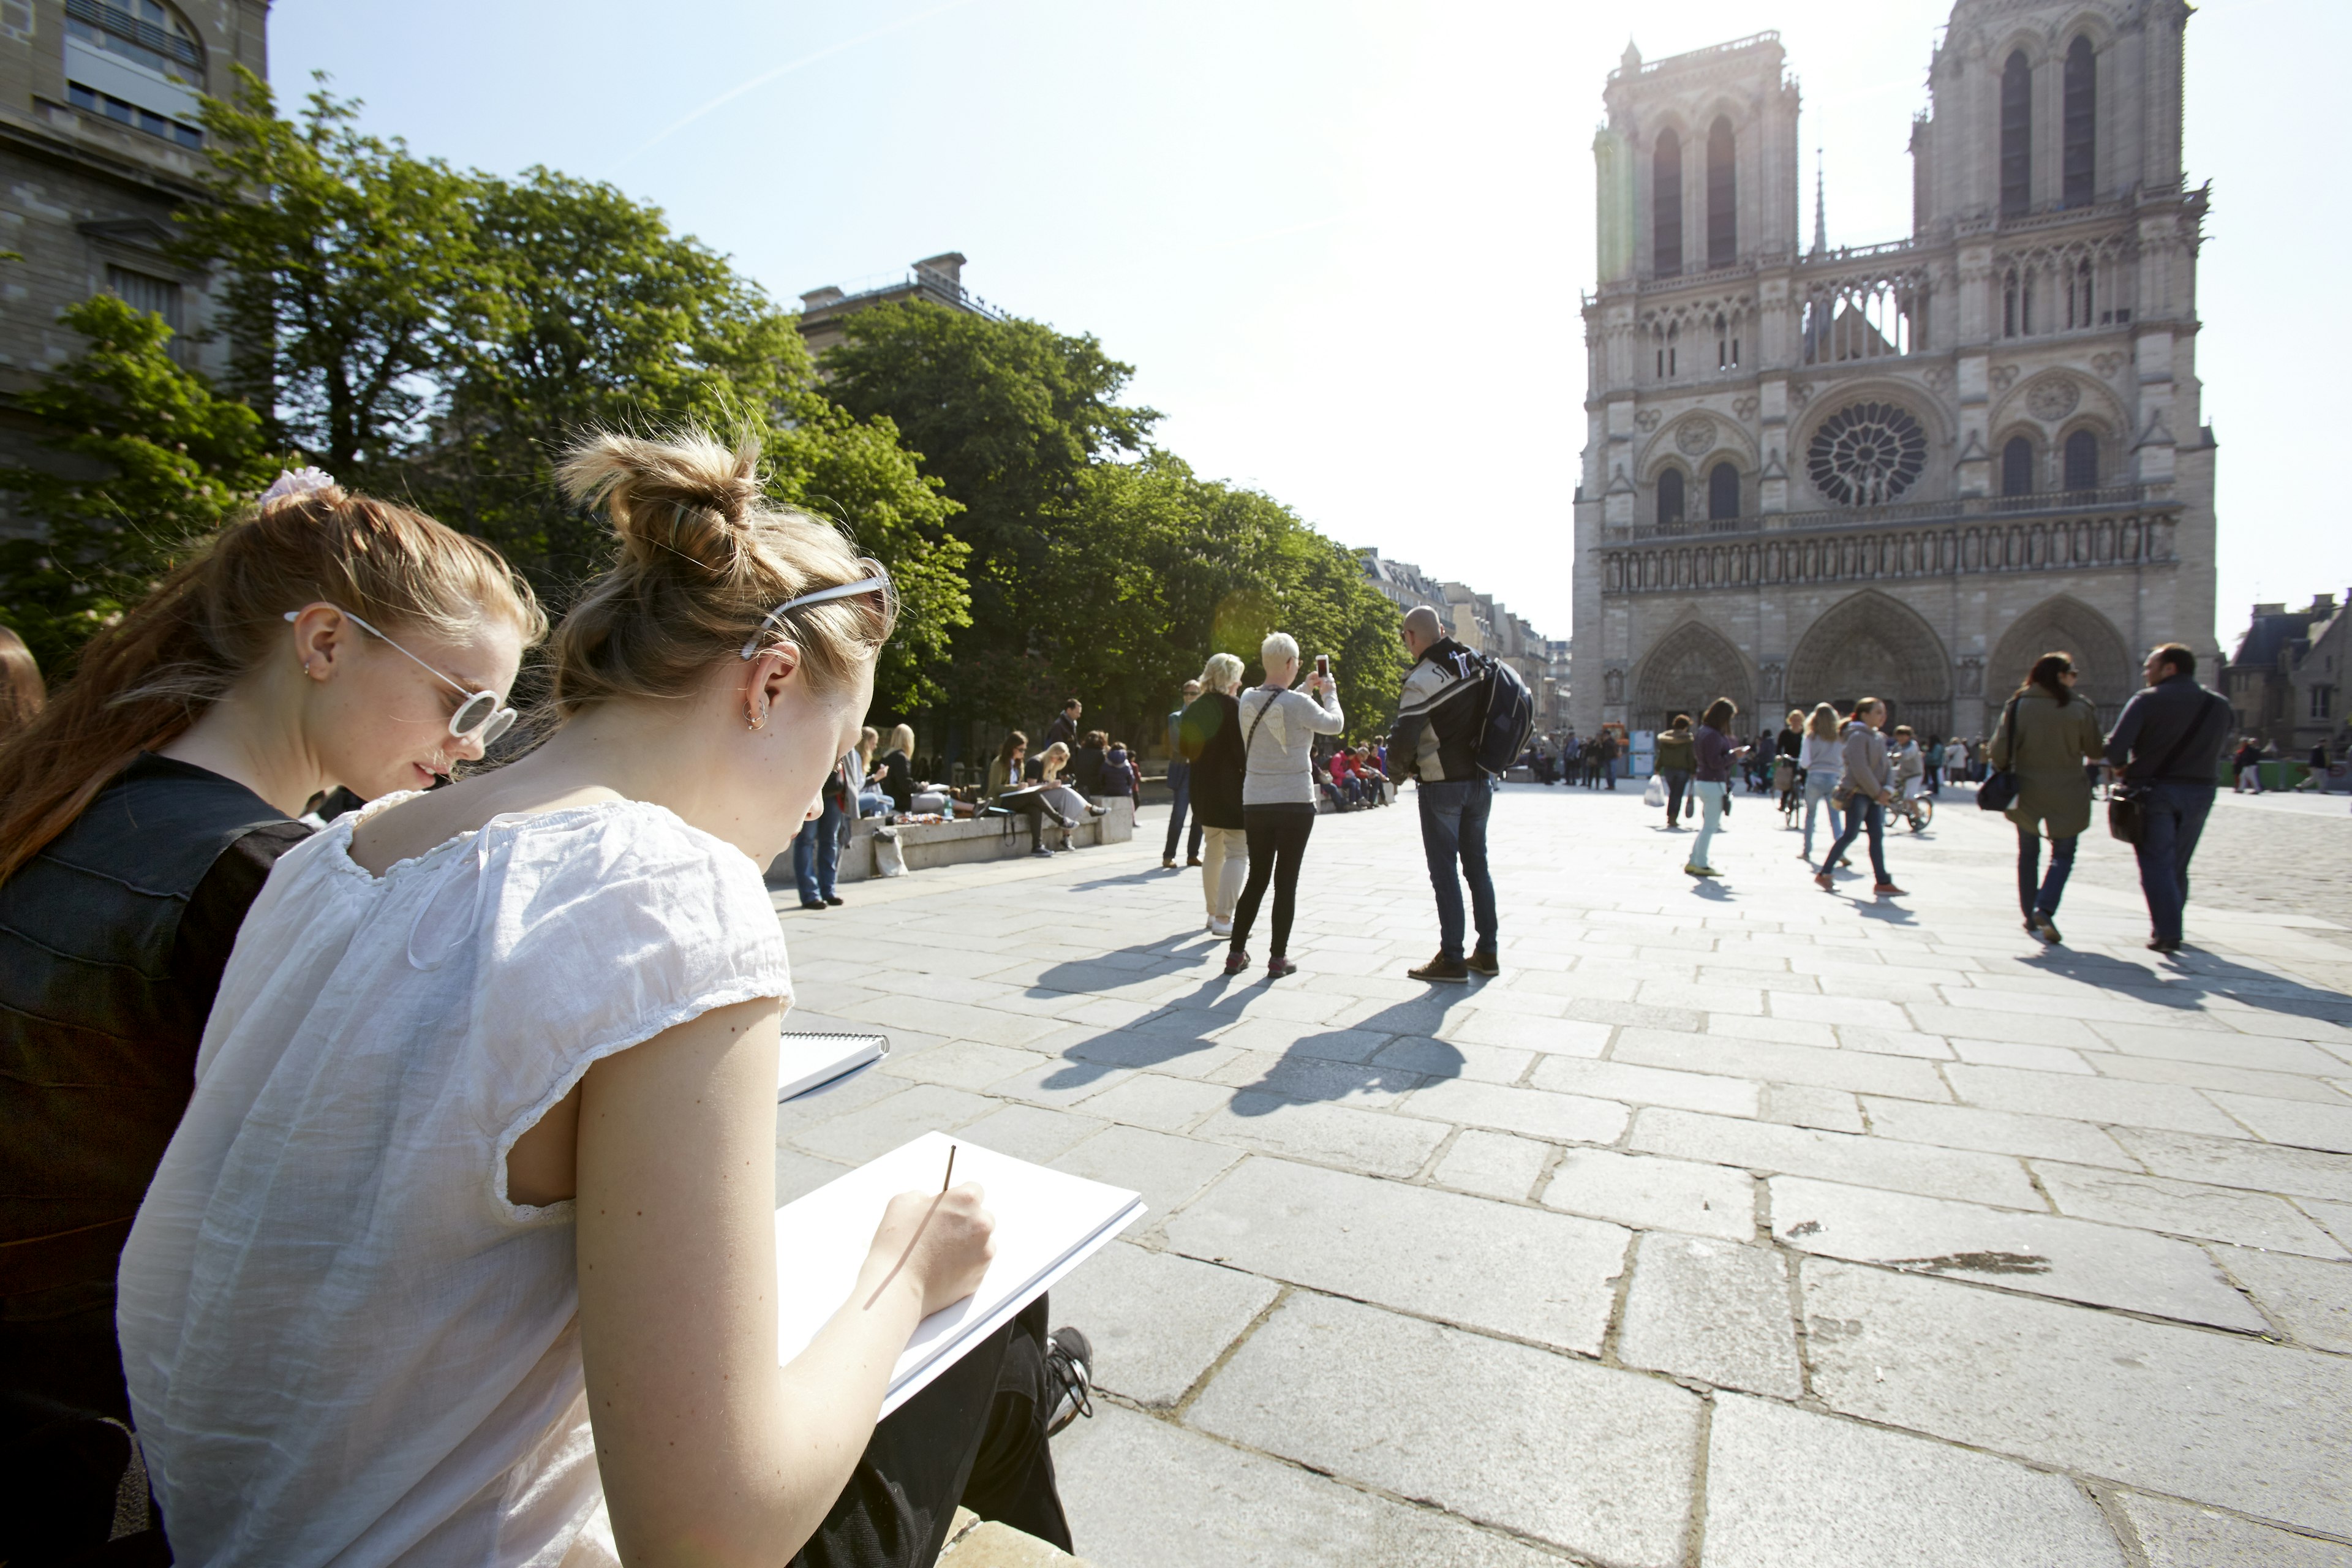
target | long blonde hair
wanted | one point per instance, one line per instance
(902, 739)
(1824, 725)
(705, 562)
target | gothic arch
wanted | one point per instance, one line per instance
(2092, 400)
(2063, 624)
(1663, 449)
(1688, 669)
(1869, 645)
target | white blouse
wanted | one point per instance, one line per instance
(345, 1343)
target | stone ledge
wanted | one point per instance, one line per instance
(965, 841)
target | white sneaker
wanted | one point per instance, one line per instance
(1221, 928)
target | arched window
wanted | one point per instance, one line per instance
(138, 63)
(2082, 461)
(2017, 467)
(2081, 129)
(1722, 195)
(1722, 492)
(2016, 134)
(1666, 205)
(1670, 496)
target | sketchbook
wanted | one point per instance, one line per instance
(1046, 1224)
(804, 1062)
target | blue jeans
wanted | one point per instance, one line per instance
(1710, 795)
(1821, 791)
(2176, 816)
(1180, 779)
(1676, 779)
(2039, 895)
(816, 853)
(1862, 812)
(1454, 828)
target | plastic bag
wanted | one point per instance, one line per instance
(889, 855)
(1655, 795)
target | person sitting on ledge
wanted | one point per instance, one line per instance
(1057, 794)
(1006, 788)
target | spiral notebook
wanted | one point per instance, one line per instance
(806, 1062)
(1046, 1224)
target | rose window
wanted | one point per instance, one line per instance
(1867, 453)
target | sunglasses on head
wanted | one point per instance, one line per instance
(481, 717)
(876, 582)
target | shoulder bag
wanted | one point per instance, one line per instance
(2127, 803)
(1999, 792)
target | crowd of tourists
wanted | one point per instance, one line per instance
(2042, 766)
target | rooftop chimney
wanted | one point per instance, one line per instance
(817, 298)
(949, 267)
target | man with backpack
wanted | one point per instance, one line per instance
(1458, 710)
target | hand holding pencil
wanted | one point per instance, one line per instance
(937, 1244)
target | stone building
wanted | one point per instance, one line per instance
(2287, 678)
(935, 279)
(1473, 619)
(100, 143)
(1902, 469)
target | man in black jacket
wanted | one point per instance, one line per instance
(2169, 745)
(1439, 714)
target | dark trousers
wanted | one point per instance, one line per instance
(976, 1437)
(816, 852)
(1676, 779)
(1862, 812)
(2174, 815)
(1453, 830)
(65, 1419)
(1277, 842)
(2037, 894)
(1180, 779)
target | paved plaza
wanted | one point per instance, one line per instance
(1736, 1224)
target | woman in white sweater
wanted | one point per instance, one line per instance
(1278, 731)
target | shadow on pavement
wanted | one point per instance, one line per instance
(2197, 974)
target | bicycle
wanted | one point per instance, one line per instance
(1918, 811)
(1792, 799)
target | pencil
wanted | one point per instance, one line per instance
(951, 1176)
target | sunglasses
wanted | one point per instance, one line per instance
(481, 717)
(877, 584)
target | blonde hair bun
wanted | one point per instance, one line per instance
(685, 499)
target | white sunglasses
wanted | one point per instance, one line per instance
(877, 583)
(480, 717)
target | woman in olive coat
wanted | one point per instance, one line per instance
(2048, 736)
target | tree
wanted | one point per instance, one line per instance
(350, 274)
(154, 460)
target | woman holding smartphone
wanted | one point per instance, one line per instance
(1278, 729)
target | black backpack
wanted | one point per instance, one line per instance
(1507, 720)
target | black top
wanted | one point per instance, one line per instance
(112, 942)
(1791, 744)
(898, 779)
(2154, 724)
(1087, 770)
(1210, 732)
(1116, 777)
(1064, 729)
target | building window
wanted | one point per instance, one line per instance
(145, 291)
(1666, 205)
(1867, 454)
(1722, 492)
(2079, 296)
(1670, 496)
(2016, 134)
(2322, 703)
(2017, 467)
(1722, 195)
(153, 46)
(2082, 461)
(2081, 129)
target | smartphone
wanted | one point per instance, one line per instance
(1323, 664)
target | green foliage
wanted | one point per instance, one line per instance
(153, 460)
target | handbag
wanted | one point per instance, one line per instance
(1999, 792)
(2127, 803)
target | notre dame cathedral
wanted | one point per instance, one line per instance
(1902, 469)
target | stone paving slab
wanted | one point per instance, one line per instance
(2183, 1208)
(1640, 1190)
(2212, 1417)
(2311, 1300)
(1595, 1461)
(1157, 1319)
(1712, 1312)
(2177, 1535)
(1787, 1487)
(1834, 1156)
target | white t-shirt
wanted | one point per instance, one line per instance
(344, 1344)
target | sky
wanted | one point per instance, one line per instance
(1341, 244)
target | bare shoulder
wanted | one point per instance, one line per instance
(412, 826)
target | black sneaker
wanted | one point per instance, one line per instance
(1451, 970)
(1069, 1379)
(1485, 962)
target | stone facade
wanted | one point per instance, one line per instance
(98, 145)
(1904, 469)
(935, 279)
(2288, 677)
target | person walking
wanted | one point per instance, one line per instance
(1822, 760)
(2166, 748)
(1866, 786)
(1439, 713)
(1609, 749)
(1713, 752)
(1180, 788)
(2046, 738)
(1788, 747)
(1674, 762)
(2249, 763)
(1278, 729)
(816, 848)
(1210, 737)
(322, 639)
(1064, 731)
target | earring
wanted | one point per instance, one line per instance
(752, 723)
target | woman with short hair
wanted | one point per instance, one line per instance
(1866, 786)
(1278, 729)
(2046, 737)
(1209, 734)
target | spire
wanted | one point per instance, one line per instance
(1821, 208)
